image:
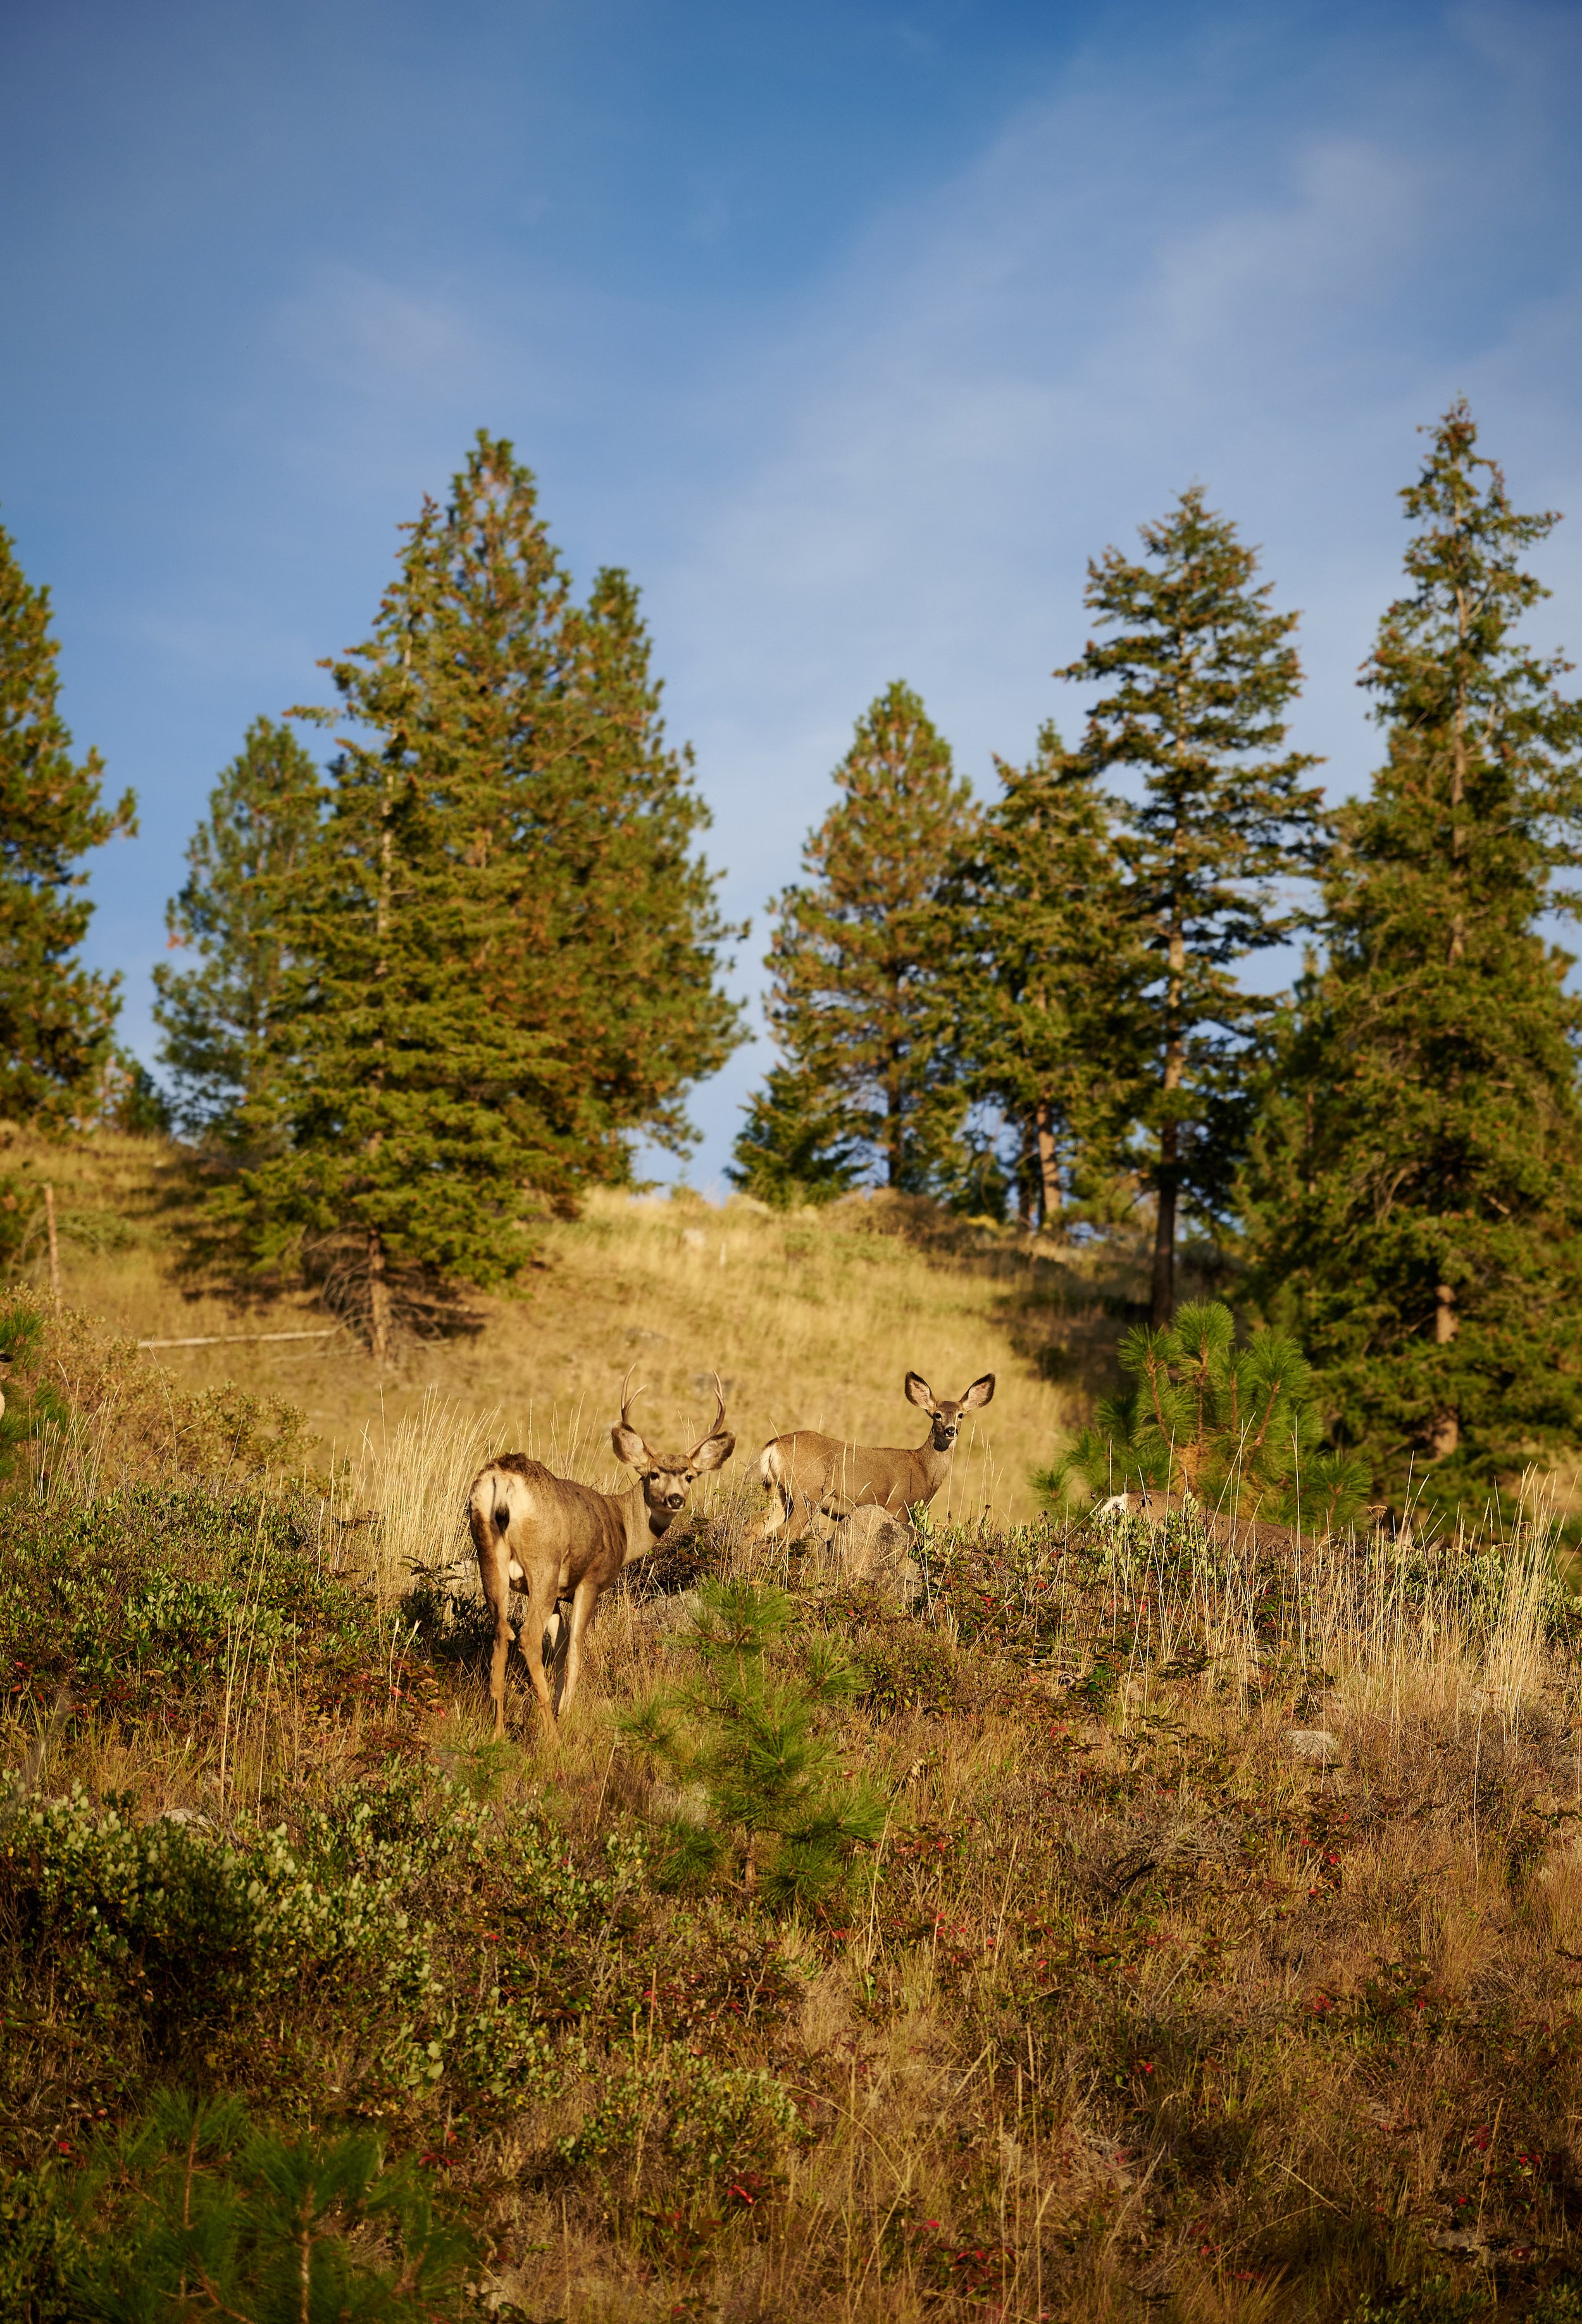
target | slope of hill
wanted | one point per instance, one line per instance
(811, 1320)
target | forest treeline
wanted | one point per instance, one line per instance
(433, 990)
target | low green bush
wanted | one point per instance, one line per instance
(748, 1737)
(192, 2212)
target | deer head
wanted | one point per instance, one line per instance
(667, 1477)
(946, 1411)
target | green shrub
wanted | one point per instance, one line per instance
(147, 1596)
(192, 2212)
(748, 1739)
(1235, 1427)
(702, 2123)
(186, 1929)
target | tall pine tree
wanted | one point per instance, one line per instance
(57, 1019)
(853, 947)
(216, 1016)
(1197, 680)
(1415, 1193)
(1041, 984)
(503, 948)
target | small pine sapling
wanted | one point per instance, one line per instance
(1236, 1429)
(193, 2210)
(748, 1737)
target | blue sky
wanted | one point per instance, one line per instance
(852, 330)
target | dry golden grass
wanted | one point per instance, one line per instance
(811, 1320)
(1131, 2013)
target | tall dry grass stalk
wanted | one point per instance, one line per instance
(1392, 1627)
(410, 1477)
(410, 1474)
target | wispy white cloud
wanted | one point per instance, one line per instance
(1039, 356)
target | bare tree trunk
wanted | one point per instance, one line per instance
(378, 1278)
(1458, 783)
(1162, 1303)
(1161, 1300)
(1446, 1433)
(54, 1246)
(895, 1125)
(1049, 1193)
(1026, 1190)
(378, 1300)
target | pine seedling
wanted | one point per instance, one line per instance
(751, 1742)
(1233, 1429)
(194, 2210)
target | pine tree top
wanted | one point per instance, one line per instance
(1200, 673)
(1480, 797)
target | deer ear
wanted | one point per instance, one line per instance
(918, 1391)
(714, 1451)
(629, 1446)
(980, 1394)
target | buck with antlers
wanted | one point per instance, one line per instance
(812, 1472)
(545, 1536)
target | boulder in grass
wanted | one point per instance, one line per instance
(871, 1546)
(1316, 1744)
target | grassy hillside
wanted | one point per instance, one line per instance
(1127, 2011)
(811, 1321)
(1196, 1932)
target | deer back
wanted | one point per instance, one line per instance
(823, 1472)
(539, 1516)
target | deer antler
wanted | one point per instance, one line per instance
(628, 1396)
(713, 1427)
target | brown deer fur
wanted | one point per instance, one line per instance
(551, 1539)
(811, 1471)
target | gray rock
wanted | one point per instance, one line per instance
(873, 1547)
(675, 1612)
(1314, 1744)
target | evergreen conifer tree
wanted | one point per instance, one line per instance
(1041, 983)
(747, 1736)
(1197, 678)
(502, 950)
(1414, 1197)
(1238, 1429)
(215, 1017)
(57, 1018)
(853, 947)
(796, 1145)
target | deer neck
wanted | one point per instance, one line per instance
(935, 1467)
(643, 1528)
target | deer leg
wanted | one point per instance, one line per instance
(540, 1606)
(581, 1615)
(495, 1573)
